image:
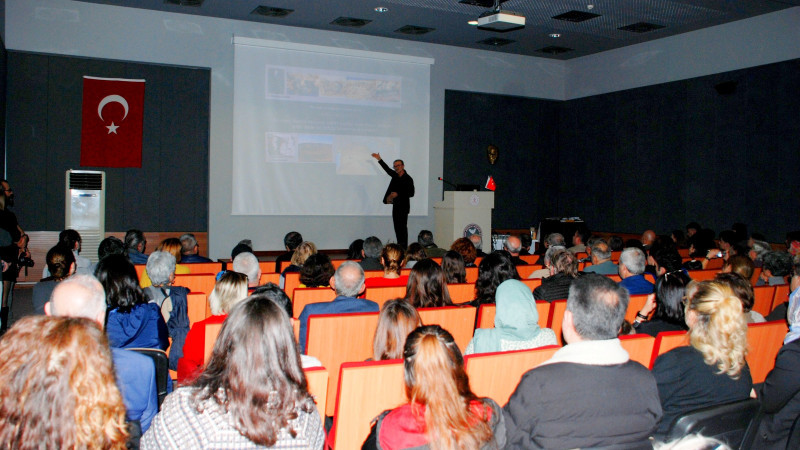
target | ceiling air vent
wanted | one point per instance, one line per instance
(414, 30)
(269, 11)
(576, 16)
(554, 50)
(481, 3)
(184, 2)
(641, 27)
(496, 41)
(351, 22)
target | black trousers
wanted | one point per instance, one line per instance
(400, 219)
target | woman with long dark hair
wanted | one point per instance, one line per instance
(453, 267)
(495, 268)
(252, 392)
(426, 286)
(442, 411)
(667, 300)
(316, 271)
(396, 321)
(132, 321)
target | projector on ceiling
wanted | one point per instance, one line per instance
(501, 21)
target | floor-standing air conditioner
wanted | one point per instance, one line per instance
(86, 208)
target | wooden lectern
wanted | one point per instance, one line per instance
(460, 211)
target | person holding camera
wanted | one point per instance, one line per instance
(13, 249)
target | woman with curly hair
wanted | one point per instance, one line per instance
(392, 261)
(316, 271)
(252, 392)
(426, 286)
(712, 370)
(466, 249)
(57, 387)
(442, 411)
(493, 270)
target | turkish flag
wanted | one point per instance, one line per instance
(111, 133)
(490, 183)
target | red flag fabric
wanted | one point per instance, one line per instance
(111, 130)
(490, 183)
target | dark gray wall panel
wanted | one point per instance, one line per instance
(168, 193)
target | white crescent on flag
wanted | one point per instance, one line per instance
(111, 99)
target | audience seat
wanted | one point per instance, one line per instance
(337, 262)
(486, 314)
(366, 389)
(703, 275)
(781, 295)
(557, 309)
(764, 295)
(532, 283)
(305, 296)
(526, 271)
(496, 375)
(756, 275)
(197, 282)
(530, 259)
(764, 340)
(212, 331)
(373, 274)
(635, 305)
(291, 282)
(472, 274)
(140, 268)
(203, 267)
(265, 266)
(615, 278)
(161, 362)
(461, 292)
(666, 341)
(317, 378)
(639, 347)
(284, 265)
(338, 338)
(458, 320)
(383, 294)
(615, 257)
(715, 264)
(269, 277)
(477, 261)
(197, 307)
(684, 252)
(727, 423)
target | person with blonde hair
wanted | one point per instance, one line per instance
(252, 393)
(173, 247)
(712, 370)
(299, 257)
(395, 322)
(392, 261)
(442, 411)
(57, 387)
(229, 290)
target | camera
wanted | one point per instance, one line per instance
(25, 261)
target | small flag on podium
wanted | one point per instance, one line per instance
(490, 183)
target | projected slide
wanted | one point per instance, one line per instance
(306, 123)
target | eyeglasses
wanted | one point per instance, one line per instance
(397, 165)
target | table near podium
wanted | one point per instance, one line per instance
(461, 211)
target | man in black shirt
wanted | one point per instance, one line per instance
(398, 194)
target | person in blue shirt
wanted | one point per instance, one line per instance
(348, 282)
(631, 269)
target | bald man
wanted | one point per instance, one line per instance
(83, 296)
(513, 245)
(648, 237)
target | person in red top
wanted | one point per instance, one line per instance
(229, 290)
(392, 261)
(442, 411)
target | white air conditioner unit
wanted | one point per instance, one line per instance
(86, 208)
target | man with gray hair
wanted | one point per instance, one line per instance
(348, 282)
(601, 259)
(247, 263)
(83, 296)
(513, 245)
(631, 269)
(549, 241)
(190, 250)
(544, 272)
(371, 253)
(477, 241)
(135, 245)
(574, 399)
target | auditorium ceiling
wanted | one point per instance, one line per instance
(557, 29)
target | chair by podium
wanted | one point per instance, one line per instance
(461, 210)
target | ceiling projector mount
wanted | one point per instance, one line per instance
(500, 21)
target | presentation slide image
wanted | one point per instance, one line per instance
(331, 86)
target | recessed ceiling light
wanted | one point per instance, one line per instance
(473, 22)
(555, 35)
(381, 9)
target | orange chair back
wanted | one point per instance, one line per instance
(763, 341)
(472, 274)
(365, 390)
(197, 307)
(639, 347)
(373, 274)
(756, 275)
(265, 266)
(530, 259)
(317, 378)
(557, 309)
(204, 267)
(532, 283)
(615, 257)
(306, 296)
(284, 265)
(496, 375)
(458, 320)
(338, 338)
(269, 277)
(212, 331)
(615, 278)
(703, 275)
(487, 312)
(666, 341)
(781, 295)
(635, 305)
(337, 262)
(291, 282)
(764, 296)
(461, 292)
(140, 268)
(526, 271)
(197, 282)
(383, 294)
(715, 264)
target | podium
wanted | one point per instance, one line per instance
(460, 212)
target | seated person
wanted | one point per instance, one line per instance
(442, 411)
(547, 260)
(563, 271)
(631, 269)
(601, 259)
(712, 370)
(426, 286)
(414, 254)
(466, 249)
(397, 319)
(453, 267)
(301, 254)
(229, 290)
(743, 290)
(391, 260)
(173, 247)
(171, 299)
(291, 241)
(371, 254)
(494, 269)
(667, 301)
(61, 263)
(316, 271)
(516, 323)
(190, 250)
(777, 265)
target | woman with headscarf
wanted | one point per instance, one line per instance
(780, 393)
(516, 323)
